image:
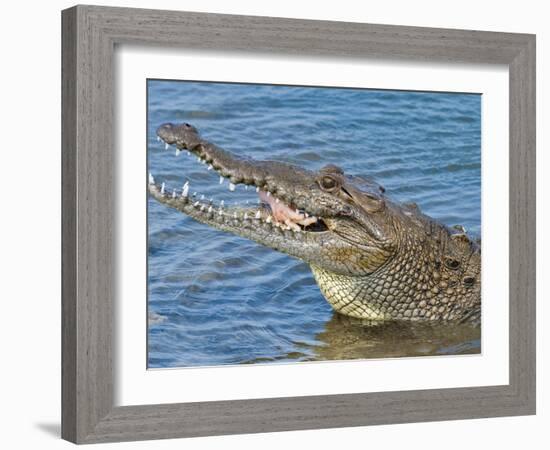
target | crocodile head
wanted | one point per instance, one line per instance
(371, 257)
(335, 221)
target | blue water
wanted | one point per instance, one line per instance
(214, 298)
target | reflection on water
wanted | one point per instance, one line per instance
(348, 338)
(215, 298)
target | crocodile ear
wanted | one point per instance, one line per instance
(366, 183)
(370, 202)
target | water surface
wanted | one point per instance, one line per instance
(215, 298)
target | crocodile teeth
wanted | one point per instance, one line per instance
(258, 215)
(174, 193)
(257, 189)
(307, 221)
(231, 187)
(268, 220)
(210, 209)
(178, 151)
(151, 179)
(196, 204)
(162, 188)
(158, 138)
(245, 216)
(166, 146)
(221, 180)
(222, 203)
(291, 225)
(185, 190)
(210, 167)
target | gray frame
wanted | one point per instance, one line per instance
(90, 34)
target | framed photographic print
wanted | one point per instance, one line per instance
(255, 209)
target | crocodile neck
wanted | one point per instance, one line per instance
(423, 283)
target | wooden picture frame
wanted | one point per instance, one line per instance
(90, 34)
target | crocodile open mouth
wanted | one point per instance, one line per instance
(270, 208)
(372, 258)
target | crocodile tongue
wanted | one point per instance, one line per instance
(283, 213)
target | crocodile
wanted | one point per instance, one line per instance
(372, 258)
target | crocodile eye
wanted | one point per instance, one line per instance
(328, 183)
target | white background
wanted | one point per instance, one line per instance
(30, 225)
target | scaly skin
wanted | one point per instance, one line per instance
(372, 258)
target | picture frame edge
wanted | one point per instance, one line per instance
(89, 35)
